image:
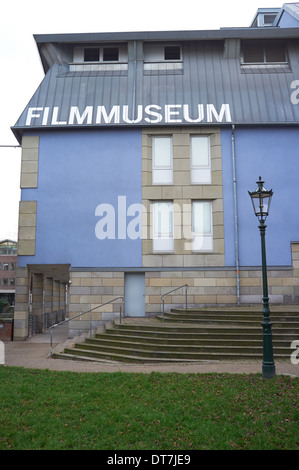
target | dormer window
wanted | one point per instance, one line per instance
(91, 54)
(162, 59)
(263, 52)
(265, 17)
(269, 19)
(172, 53)
(100, 54)
(110, 54)
(161, 52)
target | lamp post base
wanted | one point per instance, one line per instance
(268, 370)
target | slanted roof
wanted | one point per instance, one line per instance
(292, 9)
(210, 88)
(8, 242)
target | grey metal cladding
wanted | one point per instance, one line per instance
(209, 76)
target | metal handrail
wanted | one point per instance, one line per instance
(83, 313)
(169, 292)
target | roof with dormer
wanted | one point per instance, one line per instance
(209, 83)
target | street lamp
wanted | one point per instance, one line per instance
(261, 200)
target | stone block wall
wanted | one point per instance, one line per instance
(182, 193)
(88, 290)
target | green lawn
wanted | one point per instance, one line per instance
(41, 409)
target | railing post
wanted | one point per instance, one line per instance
(186, 294)
(90, 320)
(169, 292)
(51, 341)
(76, 316)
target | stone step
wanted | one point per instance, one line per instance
(240, 322)
(211, 335)
(232, 313)
(172, 330)
(283, 347)
(237, 311)
(133, 354)
(179, 341)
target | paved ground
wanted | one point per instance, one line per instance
(34, 353)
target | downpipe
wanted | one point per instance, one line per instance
(235, 214)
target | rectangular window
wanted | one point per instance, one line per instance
(162, 160)
(163, 226)
(202, 226)
(12, 281)
(172, 53)
(269, 19)
(101, 54)
(91, 54)
(110, 54)
(5, 266)
(257, 52)
(200, 160)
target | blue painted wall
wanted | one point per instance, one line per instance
(77, 172)
(80, 170)
(288, 21)
(273, 154)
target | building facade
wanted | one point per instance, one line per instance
(8, 267)
(138, 151)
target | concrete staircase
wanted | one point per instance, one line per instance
(190, 335)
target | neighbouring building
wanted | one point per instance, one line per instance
(8, 266)
(138, 151)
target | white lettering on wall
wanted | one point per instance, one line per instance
(158, 116)
(31, 114)
(75, 113)
(172, 112)
(55, 121)
(126, 115)
(224, 111)
(152, 114)
(200, 112)
(114, 114)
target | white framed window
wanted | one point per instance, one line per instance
(154, 52)
(100, 54)
(200, 156)
(163, 226)
(202, 226)
(162, 160)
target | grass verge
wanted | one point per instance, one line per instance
(42, 409)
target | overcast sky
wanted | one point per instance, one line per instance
(21, 70)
